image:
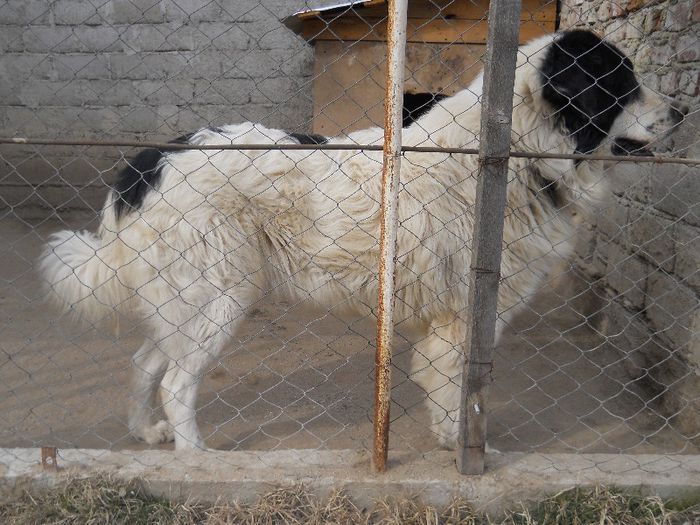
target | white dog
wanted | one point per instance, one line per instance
(190, 239)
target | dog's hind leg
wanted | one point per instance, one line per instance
(193, 349)
(148, 366)
(436, 366)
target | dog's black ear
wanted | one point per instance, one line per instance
(587, 81)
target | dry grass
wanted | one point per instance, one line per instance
(106, 501)
(603, 506)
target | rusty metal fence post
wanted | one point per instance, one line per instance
(484, 274)
(393, 106)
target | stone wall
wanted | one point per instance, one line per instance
(646, 249)
(135, 70)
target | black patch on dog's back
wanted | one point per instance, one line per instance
(415, 105)
(309, 138)
(588, 81)
(141, 175)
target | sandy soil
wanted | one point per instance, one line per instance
(300, 378)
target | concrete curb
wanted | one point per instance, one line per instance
(242, 476)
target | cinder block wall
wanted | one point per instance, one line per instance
(135, 69)
(647, 242)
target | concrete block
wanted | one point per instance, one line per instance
(277, 38)
(627, 275)
(222, 36)
(612, 219)
(75, 13)
(111, 93)
(139, 119)
(193, 117)
(77, 92)
(650, 236)
(136, 12)
(42, 39)
(622, 322)
(694, 348)
(670, 306)
(686, 136)
(98, 119)
(9, 95)
(25, 12)
(19, 68)
(147, 66)
(39, 121)
(71, 39)
(687, 248)
(274, 90)
(207, 64)
(228, 92)
(178, 64)
(293, 61)
(287, 115)
(102, 38)
(676, 191)
(661, 371)
(159, 37)
(207, 11)
(156, 93)
(251, 64)
(69, 66)
(11, 39)
(630, 181)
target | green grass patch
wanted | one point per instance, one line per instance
(106, 501)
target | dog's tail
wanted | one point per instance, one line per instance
(82, 275)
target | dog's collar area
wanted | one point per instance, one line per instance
(624, 146)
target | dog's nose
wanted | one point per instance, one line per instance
(678, 111)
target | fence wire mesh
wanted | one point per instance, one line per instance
(254, 272)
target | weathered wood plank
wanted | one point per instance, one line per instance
(495, 138)
(436, 31)
(540, 10)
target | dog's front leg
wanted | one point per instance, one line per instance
(436, 366)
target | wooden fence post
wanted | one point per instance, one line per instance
(487, 239)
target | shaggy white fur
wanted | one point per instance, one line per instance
(223, 228)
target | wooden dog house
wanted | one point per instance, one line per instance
(445, 42)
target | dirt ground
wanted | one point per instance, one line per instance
(299, 378)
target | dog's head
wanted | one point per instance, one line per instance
(594, 95)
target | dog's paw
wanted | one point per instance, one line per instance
(491, 450)
(161, 432)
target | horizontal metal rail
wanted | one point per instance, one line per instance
(661, 159)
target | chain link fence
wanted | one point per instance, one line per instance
(597, 314)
